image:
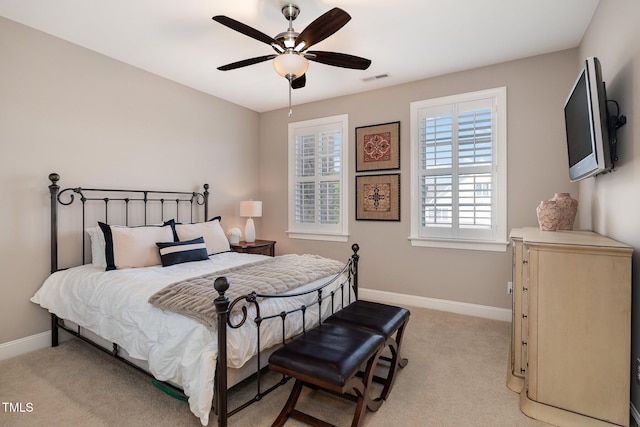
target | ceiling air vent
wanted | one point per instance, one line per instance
(378, 77)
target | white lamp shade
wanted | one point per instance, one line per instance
(251, 208)
(290, 64)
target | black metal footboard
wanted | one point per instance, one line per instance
(346, 290)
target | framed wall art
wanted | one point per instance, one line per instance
(378, 197)
(378, 147)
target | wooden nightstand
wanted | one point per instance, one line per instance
(261, 247)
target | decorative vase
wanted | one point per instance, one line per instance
(548, 215)
(567, 207)
(234, 235)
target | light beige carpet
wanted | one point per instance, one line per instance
(456, 376)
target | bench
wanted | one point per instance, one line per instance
(387, 320)
(331, 356)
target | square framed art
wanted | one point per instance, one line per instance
(378, 197)
(378, 147)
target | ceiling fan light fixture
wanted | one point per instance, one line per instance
(290, 65)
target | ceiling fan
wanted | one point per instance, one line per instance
(292, 56)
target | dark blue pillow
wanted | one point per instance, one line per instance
(178, 252)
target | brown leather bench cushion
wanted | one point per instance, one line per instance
(329, 354)
(381, 318)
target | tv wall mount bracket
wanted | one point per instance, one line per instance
(616, 121)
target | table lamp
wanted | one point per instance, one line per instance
(251, 209)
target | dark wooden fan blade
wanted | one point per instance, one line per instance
(246, 62)
(300, 82)
(324, 26)
(339, 59)
(246, 30)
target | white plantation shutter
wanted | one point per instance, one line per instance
(329, 174)
(436, 161)
(475, 161)
(458, 183)
(317, 197)
(305, 193)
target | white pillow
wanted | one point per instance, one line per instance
(97, 247)
(212, 231)
(130, 247)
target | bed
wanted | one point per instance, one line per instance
(195, 315)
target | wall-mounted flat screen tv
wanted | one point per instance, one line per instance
(586, 122)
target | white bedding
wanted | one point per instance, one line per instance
(114, 305)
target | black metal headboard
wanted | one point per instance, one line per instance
(123, 207)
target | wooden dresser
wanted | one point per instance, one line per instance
(571, 329)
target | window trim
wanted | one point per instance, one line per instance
(499, 243)
(316, 232)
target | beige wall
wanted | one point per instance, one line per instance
(536, 90)
(613, 200)
(99, 122)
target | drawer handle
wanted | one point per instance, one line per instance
(524, 343)
(524, 316)
(524, 261)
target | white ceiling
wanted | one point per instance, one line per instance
(407, 39)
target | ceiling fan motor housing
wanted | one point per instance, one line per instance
(288, 39)
(290, 11)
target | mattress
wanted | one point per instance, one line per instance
(114, 305)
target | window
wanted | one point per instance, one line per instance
(318, 179)
(458, 170)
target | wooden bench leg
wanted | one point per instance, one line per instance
(288, 407)
(396, 362)
(364, 397)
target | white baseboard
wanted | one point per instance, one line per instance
(476, 310)
(25, 345)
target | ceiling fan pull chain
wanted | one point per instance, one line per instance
(290, 110)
